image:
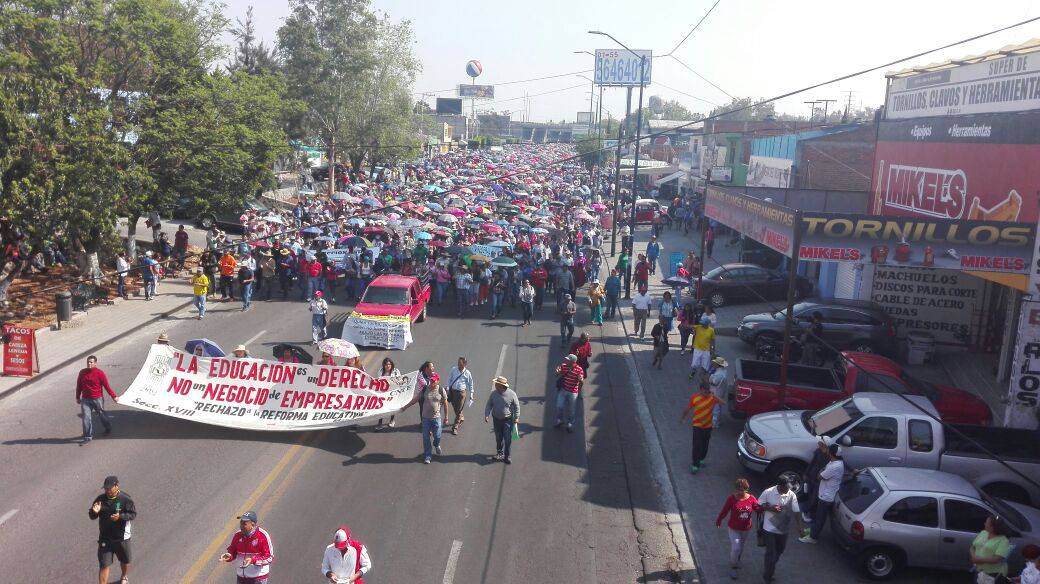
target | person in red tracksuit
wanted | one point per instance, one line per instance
(255, 548)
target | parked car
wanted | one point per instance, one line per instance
(891, 518)
(882, 429)
(857, 325)
(757, 389)
(228, 219)
(647, 210)
(732, 283)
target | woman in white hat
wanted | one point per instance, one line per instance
(240, 352)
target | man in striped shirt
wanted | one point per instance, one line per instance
(706, 409)
(570, 377)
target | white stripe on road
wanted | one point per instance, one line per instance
(8, 515)
(254, 337)
(456, 547)
(501, 361)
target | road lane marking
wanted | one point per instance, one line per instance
(501, 361)
(209, 555)
(8, 515)
(255, 337)
(453, 559)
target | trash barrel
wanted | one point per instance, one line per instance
(63, 305)
(919, 347)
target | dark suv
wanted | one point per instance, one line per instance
(854, 325)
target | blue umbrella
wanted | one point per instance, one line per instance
(209, 348)
(434, 189)
(434, 207)
(423, 235)
(502, 223)
(371, 202)
(311, 231)
(325, 238)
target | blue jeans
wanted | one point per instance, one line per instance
(438, 292)
(317, 327)
(87, 407)
(503, 435)
(612, 305)
(121, 286)
(149, 288)
(496, 304)
(567, 329)
(528, 310)
(461, 301)
(247, 294)
(200, 303)
(430, 426)
(565, 406)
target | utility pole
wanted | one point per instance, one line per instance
(848, 107)
(812, 110)
(826, 104)
(617, 175)
(599, 116)
(635, 175)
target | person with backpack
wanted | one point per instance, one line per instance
(433, 410)
(346, 559)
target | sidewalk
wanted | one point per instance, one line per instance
(88, 331)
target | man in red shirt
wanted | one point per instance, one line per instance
(89, 395)
(568, 384)
(252, 546)
(538, 279)
(642, 272)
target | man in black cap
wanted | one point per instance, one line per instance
(114, 511)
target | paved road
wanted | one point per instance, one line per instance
(563, 512)
(196, 236)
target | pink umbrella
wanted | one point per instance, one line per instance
(491, 228)
(457, 212)
(599, 206)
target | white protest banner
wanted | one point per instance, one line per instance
(253, 394)
(389, 332)
(484, 250)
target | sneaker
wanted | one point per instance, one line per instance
(570, 428)
(426, 460)
(437, 449)
(807, 539)
(497, 456)
(507, 461)
(733, 574)
(694, 469)
(391, 424)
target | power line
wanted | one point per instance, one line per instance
(692, 30)
(511, 82)
(703, 78)
(686, 94)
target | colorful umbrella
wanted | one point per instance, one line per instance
(209, 348)
(504, 261)
(339, 348)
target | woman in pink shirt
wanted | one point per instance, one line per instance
(739, 506)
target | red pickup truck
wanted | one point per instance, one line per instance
(395, 296)
(757, 388)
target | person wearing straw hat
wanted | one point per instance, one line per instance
(240, 352)
(346, 559)
(504, 407)
(718, 377)
(163, 339)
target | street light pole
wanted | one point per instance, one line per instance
(617, 175)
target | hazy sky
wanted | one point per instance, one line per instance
(756, 48)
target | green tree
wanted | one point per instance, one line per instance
(592, 152)
(326, 47)
(251, 55)
(754, 113)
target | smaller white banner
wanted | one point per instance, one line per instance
(389, 332)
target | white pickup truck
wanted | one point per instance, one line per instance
(882, 429)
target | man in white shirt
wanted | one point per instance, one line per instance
(346, 560)
(460, 384)
(319, 308)
(830, 480)
(779, 506)
(641, 303)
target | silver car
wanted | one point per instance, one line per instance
(891, 518)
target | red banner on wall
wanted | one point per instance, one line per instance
(20, 358)
(975, 168)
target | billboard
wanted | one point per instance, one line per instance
(449, 105)
(620, 67)
(766, 171)
(721, 173)
(979, 167)
(583, 118)
(974, 246)
(477, 91)
(1011, 84)
(770, 224)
